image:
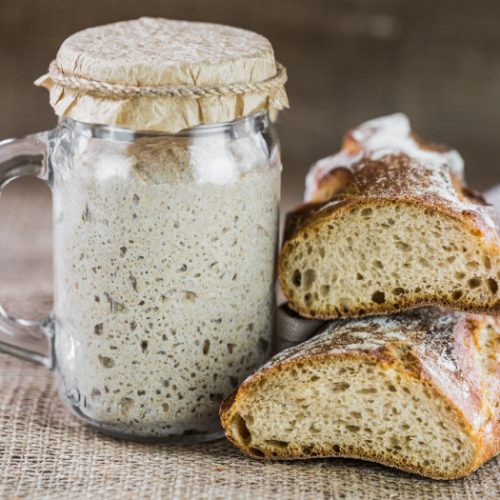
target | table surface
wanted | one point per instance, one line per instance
(47, 453)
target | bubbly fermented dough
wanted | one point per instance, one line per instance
(164, 269)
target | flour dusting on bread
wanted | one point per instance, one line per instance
(384, 136)
(414, 391)
(390, 226)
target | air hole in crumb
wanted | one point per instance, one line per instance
(492, 285)
(405, 247)
(277, 443)
(368, 390)
(353, 428)
(378, 264)
(340, 386)
(366, 212)
(487, 262)
(297, 278)
(378, 297)
(459, 276)
(457, 294)
(324, 290)
(314, 428)
(309, 278)
(359, 276)
(308, 299)
(474, 282)
(424, 262)
(144, 345)
(398, 291)
(240, 429)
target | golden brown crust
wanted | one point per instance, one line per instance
(398, 178)
(382, 162)
(228, 410)
(440, 349)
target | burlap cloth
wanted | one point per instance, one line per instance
(46, 453)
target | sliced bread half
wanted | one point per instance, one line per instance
(389, 225)
(417, 391)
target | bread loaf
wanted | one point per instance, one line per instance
(417, 391)
(390, 225)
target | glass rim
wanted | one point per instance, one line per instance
(256, 121)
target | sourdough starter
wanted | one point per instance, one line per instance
(164, 269)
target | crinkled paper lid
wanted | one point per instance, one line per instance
(164, 75)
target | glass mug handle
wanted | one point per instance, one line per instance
(27, 339)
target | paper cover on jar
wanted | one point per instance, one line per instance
(164, 75)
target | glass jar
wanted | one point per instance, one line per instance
(164, 258)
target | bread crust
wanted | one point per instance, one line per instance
(399, 178)
(360, 177)
(439, 349)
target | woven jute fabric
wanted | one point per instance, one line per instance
(45, 452)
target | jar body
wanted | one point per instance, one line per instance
(164, 253)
